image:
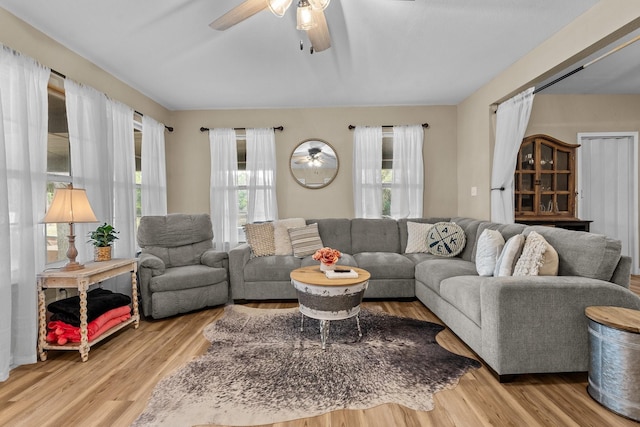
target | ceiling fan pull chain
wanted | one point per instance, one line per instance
(301, 45)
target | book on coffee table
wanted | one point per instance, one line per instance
(341, 274)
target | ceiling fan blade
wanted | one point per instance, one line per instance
(244, 10)
(319, 35)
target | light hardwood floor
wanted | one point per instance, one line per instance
(112, 387)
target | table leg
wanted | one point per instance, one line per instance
(301, 322)
(84, 340)
(358, 323)
(324, 332)
(42, 323)
(134, 299)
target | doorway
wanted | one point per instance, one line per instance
(608, 187)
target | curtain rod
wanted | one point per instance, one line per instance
(59, 74)
(582, 67)
(280, 128)
(424, 125)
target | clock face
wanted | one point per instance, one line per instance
(446, 239)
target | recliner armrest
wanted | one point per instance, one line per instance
(215, 259)
(152, 262)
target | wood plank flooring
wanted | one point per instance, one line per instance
(112, 387)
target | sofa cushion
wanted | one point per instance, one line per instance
(470, 227)
(374, 235)
(404, 234)
(509, 256)
(417, 237)
(489, 247)
(581, 253)
(433, 271)
(446, 239)
(270, 268)
(532, 256)
(260, 238)
(187, 277)
(335, 233)
(463, 292)
(507, 231)
(417, 258)
(385, 265)
(180, 255)
(281, 238)
(305, 240)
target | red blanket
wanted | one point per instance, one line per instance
(61, 333)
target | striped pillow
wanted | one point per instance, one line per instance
(305, 241)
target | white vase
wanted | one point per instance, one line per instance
(326, 267)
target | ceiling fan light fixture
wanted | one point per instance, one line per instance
(279, 7)
(319, 4)
(305, 16)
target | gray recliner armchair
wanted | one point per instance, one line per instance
(178, 269)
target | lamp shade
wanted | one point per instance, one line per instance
(70, 205)
(319, 4)
(305, 16)
(279, 7)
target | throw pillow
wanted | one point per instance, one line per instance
(417, 237)
(446, 239)
(260, 238)
(550, 262)
(490, 244)
(281, 234)
(532, 255)
(305, 241)
(509, 256)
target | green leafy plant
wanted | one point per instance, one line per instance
(103, 236)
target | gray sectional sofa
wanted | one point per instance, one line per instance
(517, 325)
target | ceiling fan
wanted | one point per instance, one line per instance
(310, 18)
(314, 158)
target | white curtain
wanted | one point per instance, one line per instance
(122, 150)
(154, 176)
(23, 167)
(408, 172)
(262, 204)
(91, 163)
(511, 124)
(367, 172)
(224, 187)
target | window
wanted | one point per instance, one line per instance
(241, 179)
(58, 169)
(387, 172)
(137, 141)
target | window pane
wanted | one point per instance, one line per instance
(56, 234)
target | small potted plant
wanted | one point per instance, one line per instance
(102, 238)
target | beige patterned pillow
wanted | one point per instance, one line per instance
(260, 238)
(305, 241)
(281, 234)
(417, 237)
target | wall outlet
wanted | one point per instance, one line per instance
(474, 191)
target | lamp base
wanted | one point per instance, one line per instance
(72, 266)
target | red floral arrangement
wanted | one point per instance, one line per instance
(327, 256)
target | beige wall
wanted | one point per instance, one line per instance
(564, 116)
(23, 38)
(188, 161)
(600, 25)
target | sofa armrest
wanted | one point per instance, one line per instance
(238, 258)
(151, 262)
(537, 323)
(215, 259)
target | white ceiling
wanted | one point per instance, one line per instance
(384, 52)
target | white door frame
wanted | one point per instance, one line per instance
(635, 267)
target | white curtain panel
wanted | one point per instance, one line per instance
(23, 167)
(408, 172)
(122, 149)
(91, 163)
(224, 188)
(511, 124)
(367, 172)
(153, 166)
(262, 204)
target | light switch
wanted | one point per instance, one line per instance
(474, 191)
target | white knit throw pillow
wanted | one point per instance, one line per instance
(532, 256)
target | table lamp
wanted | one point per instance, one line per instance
(70, 205)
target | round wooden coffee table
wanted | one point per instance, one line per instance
(329, 299)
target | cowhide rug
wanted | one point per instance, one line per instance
(261, 369)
